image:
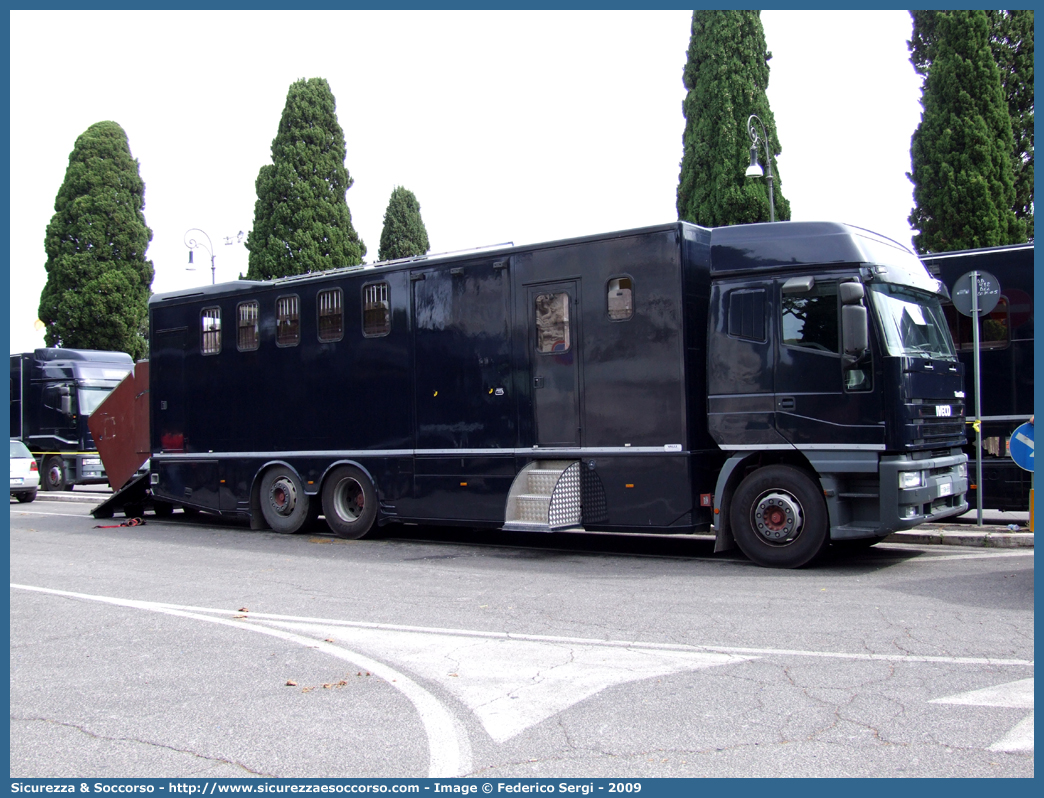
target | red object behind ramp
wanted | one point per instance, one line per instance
(120, 427)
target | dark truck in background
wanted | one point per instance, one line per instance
(783, 385)
(1006, 360)
(53, 391)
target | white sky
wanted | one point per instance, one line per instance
(508, 126)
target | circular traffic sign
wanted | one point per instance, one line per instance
(989, 293)
(1020, 446)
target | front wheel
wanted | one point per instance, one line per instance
(284, 504)
(779, 517)
(349, 502)
(54, 474)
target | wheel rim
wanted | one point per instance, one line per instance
(282, 496)
(349, 499)
(54, 475)
(777, 518)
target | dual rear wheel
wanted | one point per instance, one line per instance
(349, 501)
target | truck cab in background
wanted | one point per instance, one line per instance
(53, 391)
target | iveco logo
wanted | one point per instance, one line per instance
(959, 394)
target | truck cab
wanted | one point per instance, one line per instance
(53, 392)
(839, 367)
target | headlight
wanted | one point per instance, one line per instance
(962, 470)
(911, 479)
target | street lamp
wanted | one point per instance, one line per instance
(192, 244)
(754, 170)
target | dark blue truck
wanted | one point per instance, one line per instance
(783, 385)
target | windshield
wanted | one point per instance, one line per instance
(912, 322)
(90, 398)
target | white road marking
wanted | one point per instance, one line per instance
(38, 512)
(444, 748)
(513, 684)
(1014, 695)
(510, 681)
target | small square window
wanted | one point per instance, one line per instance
(210, 320)
(620, 299)
(747, 314)
(330, 310)
(376, 310)
(247, 337)
(288, 321)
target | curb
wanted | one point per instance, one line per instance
(995, 538)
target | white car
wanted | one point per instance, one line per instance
(25, 474)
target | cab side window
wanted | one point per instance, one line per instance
(810, 318)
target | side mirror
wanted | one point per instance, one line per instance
(852, 293)
(855, 332)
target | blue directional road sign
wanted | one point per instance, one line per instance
(1021, 447)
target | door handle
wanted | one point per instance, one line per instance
(538, 382)
(787, 403)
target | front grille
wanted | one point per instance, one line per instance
(931, 429)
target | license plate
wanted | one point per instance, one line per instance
(16, 480)
(943, 410)
(945, 488)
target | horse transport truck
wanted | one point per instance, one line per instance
(784, 385)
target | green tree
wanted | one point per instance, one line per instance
(98, 280)
(961, 152)
(726, 76)
(1011, 41)
(404, 234)
(301, 219)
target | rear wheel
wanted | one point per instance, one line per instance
(54, 474)
(26, 496)
(284, 504)
(162, 509)
(349, 502)
(779, 517)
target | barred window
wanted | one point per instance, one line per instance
(247, 336)
(288, 321)
(330, 308)
(210, 320)
(376, 310)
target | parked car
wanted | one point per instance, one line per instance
(25, 473)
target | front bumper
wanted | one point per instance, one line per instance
(944, 491)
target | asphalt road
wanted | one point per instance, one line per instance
(195, 648)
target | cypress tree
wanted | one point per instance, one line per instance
(404, 234)
(961, 152)
(98, 280)
(726, 75)
(301, 219)
(1011, 41)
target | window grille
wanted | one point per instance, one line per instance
(331, 315)
(288, 322)
(210, 319)
(247, 335)
(376, 310)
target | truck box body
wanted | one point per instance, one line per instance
(623, 382)
(1006, 360)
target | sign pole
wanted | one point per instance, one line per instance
(978, 397)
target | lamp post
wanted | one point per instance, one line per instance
(192, 244)
(754, 170)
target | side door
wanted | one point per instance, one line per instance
(820, 404)
(555, 357)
